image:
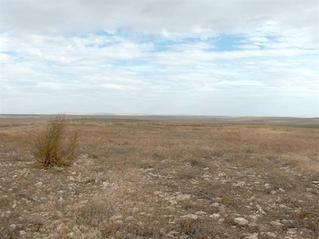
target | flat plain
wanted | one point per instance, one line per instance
(164, 177)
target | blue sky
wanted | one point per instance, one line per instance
(235, 57)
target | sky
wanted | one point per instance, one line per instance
(169, 57)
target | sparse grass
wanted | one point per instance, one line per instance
(54, 146)
(139, 179)
(97, 210)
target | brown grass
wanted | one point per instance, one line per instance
(53, 146)
(139, 179)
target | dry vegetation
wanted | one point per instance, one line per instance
(54, 146)
(163, 179)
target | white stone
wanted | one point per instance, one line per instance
(260, 209)
(253, 217)
(271, 234)
(12, 227)
(282, 190)
(200, 213)
(276, 224)
(215, 216)
(215, 204)
(115, 217)
(190, 216)
(39, 184)
(239, 184)
(252, 236)
(60, 200)
(182, 197)
(241, 221)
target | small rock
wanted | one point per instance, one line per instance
(215, 204)
(271, 234)
(254, 217)
(287, 223)
(173, 234)
(118, 222)
(39, 184)
(315, 182)
(12, 227)
(253, 225)
(276, 224)
(281, 190)
(105, 184)
(239, 184)
(292, 231)
(115, 217)
(215, 216)
(283, 206)
(241, 221)
(260, 209)
(190, 216)
(135, 210)
(200, 213)
(251, 236)
(182, 197)
(309, 189)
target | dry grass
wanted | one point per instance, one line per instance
(163, 179)
(53, 146)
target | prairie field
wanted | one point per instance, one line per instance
(164, 177)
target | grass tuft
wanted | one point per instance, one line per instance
(55, 146)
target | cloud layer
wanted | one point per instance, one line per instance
(238, 57)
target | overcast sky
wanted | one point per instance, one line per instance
(203, 57)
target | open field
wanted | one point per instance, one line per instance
(164, 177)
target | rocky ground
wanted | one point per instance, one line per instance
(158, 179)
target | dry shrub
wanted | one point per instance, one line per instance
(55, 146)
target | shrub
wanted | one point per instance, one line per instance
(55, 146)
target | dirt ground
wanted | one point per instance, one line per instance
(157, 178)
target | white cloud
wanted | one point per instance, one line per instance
(172, 15)
(88, 52)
